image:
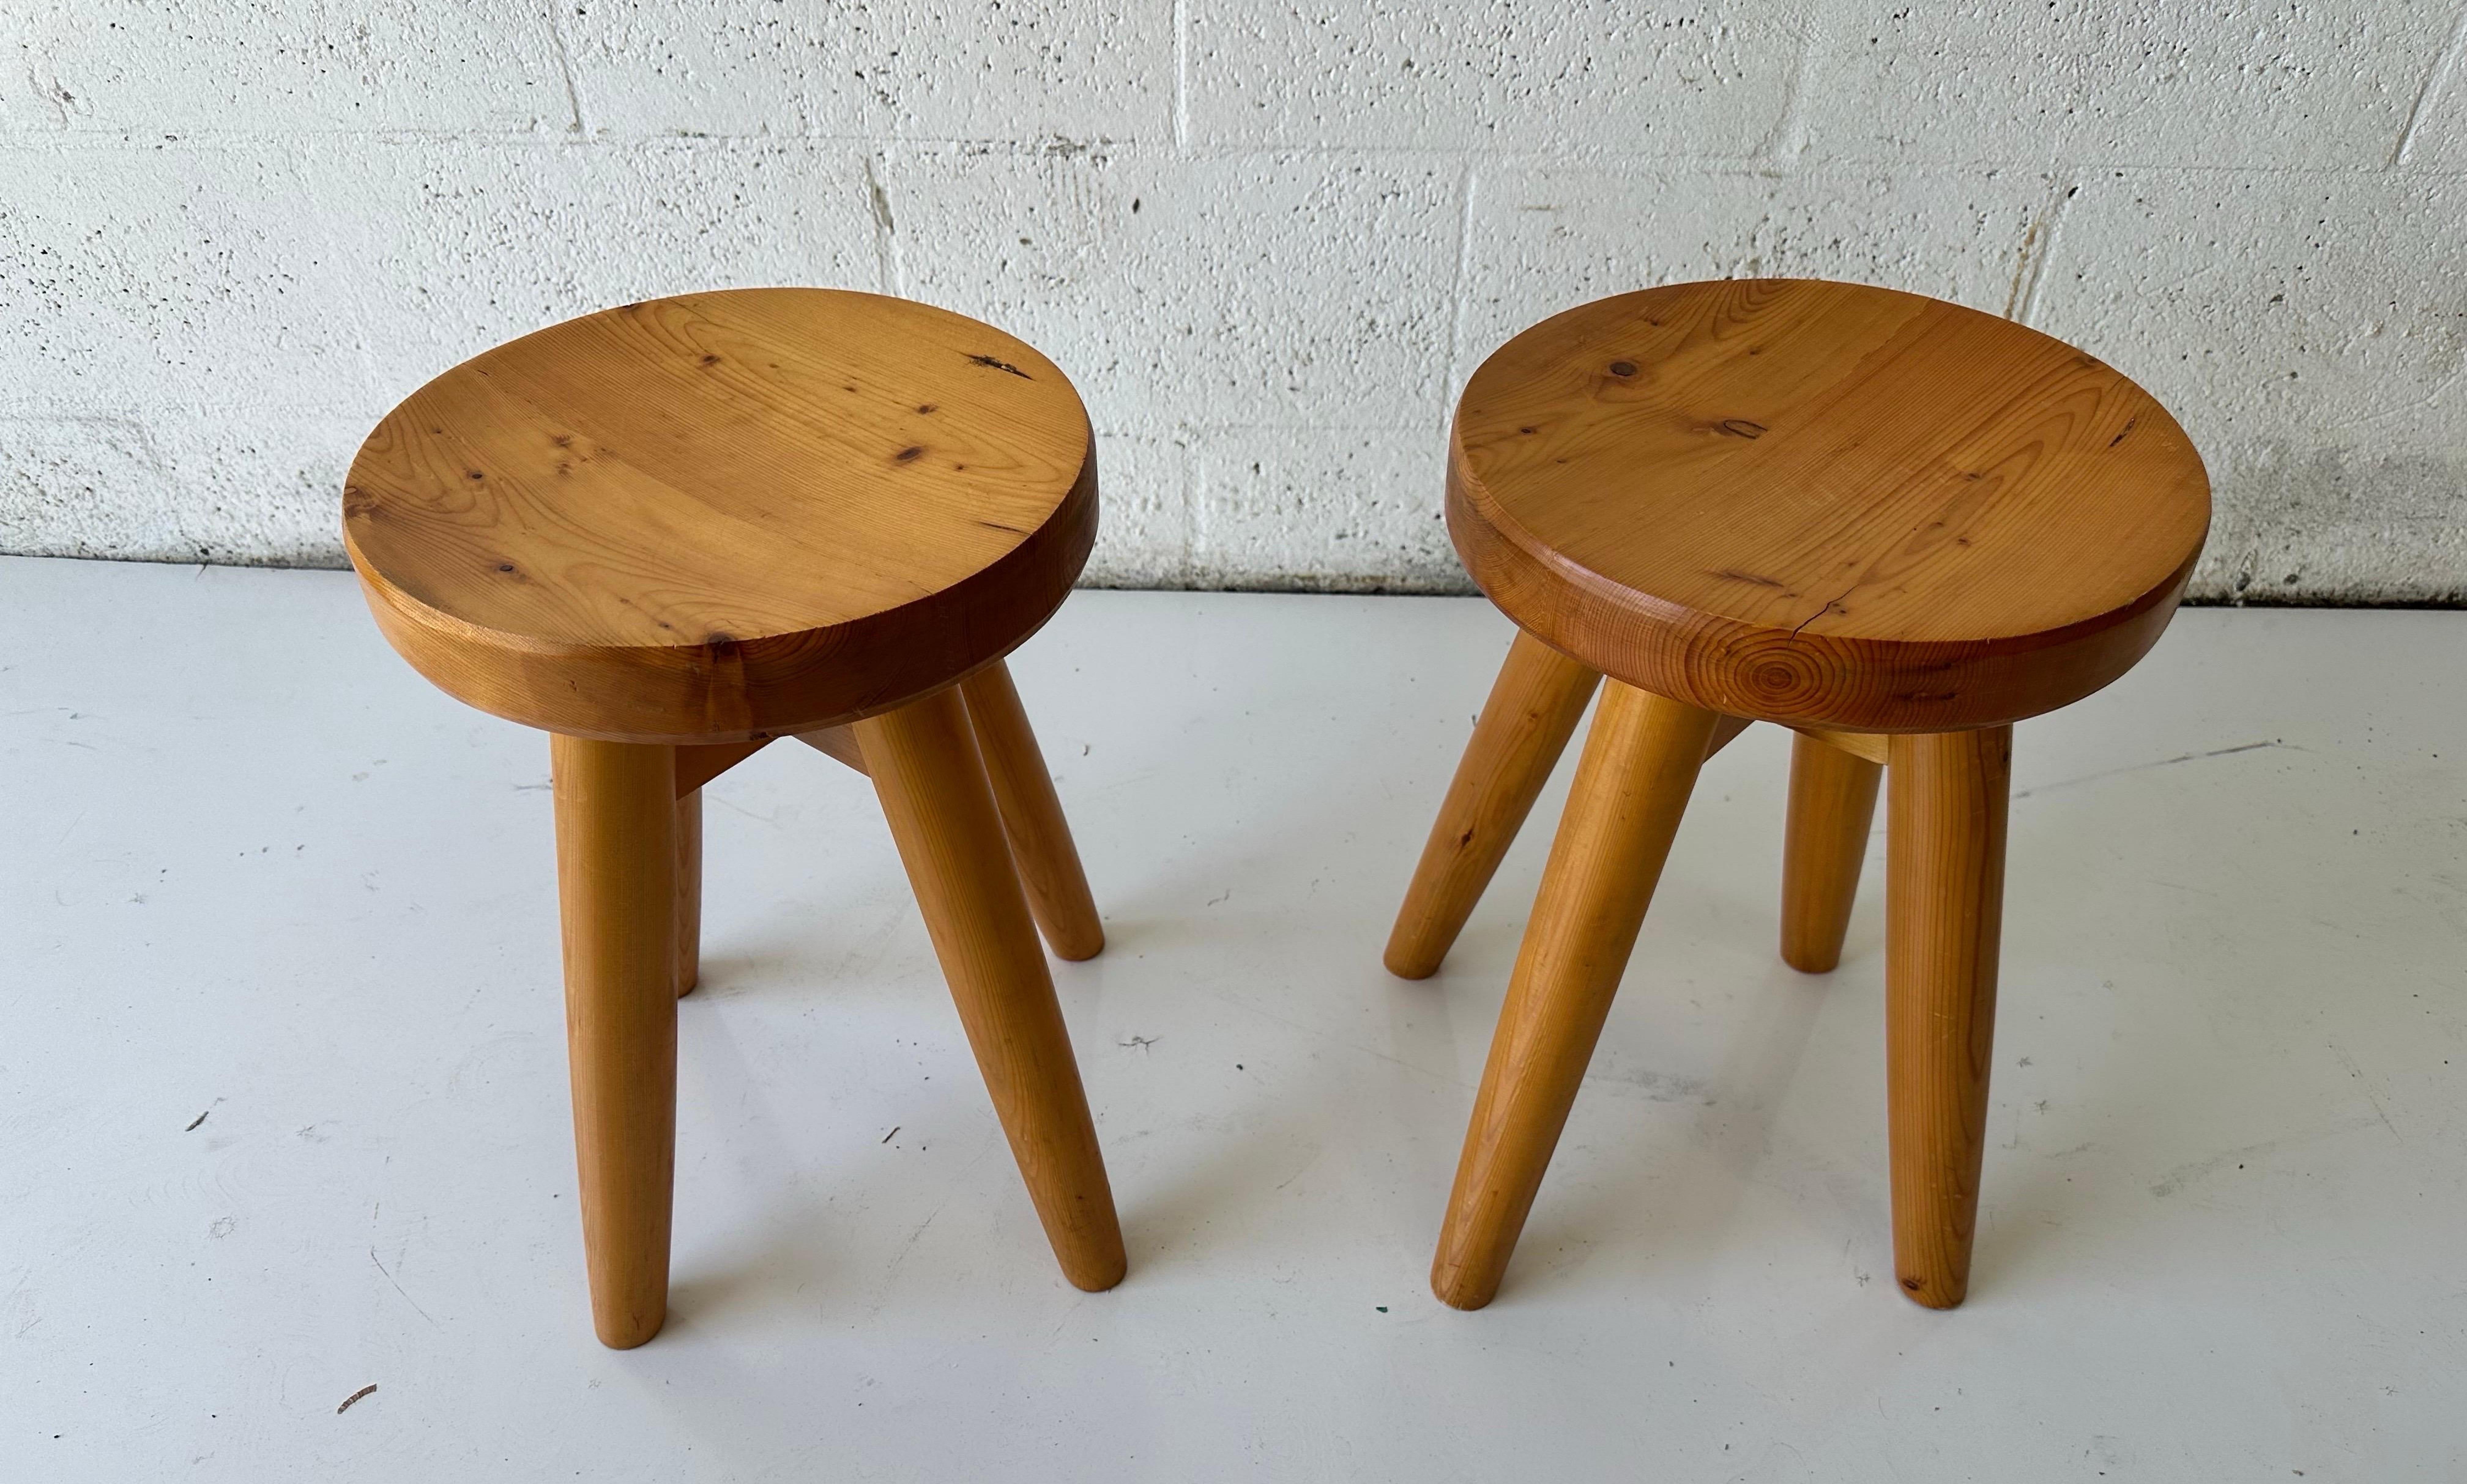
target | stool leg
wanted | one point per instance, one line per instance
(689, 893)
(1632, 785)
(616, 869)
(1832, 802)
(925, 767)
(1031, 816)
(1943, 910)
(1525, 726)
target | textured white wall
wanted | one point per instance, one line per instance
(1269, 240)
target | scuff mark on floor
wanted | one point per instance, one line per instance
(399, 1289)
(2184, 1175)
(2163, 762)
(2357, 1072)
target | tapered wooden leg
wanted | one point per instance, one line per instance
(1031, 816)
(689, 893)
(1943, 911)
(1525, 726)
(925, 767)
(1631, 788)
(1832, 802)
(617, 887)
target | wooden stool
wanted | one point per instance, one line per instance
(1894, 525)
(671, 532)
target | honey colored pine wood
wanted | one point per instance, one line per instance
(1870, 746)
(689, 893)
(1031, 816)
(1891, 524)
(1944, 908)
(698, 765)
(1832, 803)
(1631, 787)
(724, 515)
(617, 887)
(925, 766)
(675, 531)
(836, 743)
(1823, 503)
(1533, 710)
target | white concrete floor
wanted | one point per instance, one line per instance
(255, 869)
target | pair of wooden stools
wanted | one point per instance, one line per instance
(671, 532)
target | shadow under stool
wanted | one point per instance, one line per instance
(671, 532)
(1892, 524)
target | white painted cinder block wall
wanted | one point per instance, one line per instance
(1269, 240)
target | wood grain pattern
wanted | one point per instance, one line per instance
(1943, 917)
(1823, 503)
(724, 515)
(673, 531)
(926, 769)
(1632, 784)
(1031, 816)
(1534, 706)
(1832, 803)
(615, 869)
(688, 893)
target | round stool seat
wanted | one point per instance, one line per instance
(724, 516)
(1819, 503)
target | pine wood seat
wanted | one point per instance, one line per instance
(671, 533)
(724, 515)
(1806, 502)
(1894, 523)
